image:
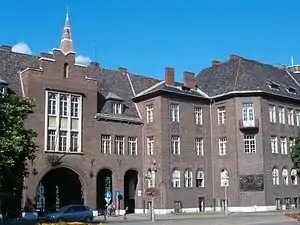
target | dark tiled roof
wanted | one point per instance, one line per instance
(141, 83)
(240, 74)
(11, 63)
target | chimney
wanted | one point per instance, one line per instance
(122, 69)
(169, 76)
(235, 57)
(189, 79)
(215, 63)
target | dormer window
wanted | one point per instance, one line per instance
(273, 85)
(116, 108)
(2, 90)
(291, 90)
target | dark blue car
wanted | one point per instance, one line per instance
(71, 213)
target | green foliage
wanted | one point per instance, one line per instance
(295, 154)
(16, 142)
(151, 192)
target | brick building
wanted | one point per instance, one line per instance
(101, 129)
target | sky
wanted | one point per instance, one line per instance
(145, 36)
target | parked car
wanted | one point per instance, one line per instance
(71, 213)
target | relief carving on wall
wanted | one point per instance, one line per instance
(253, 182)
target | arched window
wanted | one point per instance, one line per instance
(66, 70)
(200, 178)
(224, 177)
(294, 180)
(188, 178)
(285, 176)
(176, 178)
(275, 176)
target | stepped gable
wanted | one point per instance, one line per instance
(11, 63)
(240, 74)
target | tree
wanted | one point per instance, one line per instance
(16, 141)
(295, 154)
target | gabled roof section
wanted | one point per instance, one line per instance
(240, 74)
(113, 96)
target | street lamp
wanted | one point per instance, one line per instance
(225, 184)
(150, 176)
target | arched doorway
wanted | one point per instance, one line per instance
(104, 185)
(130, 185)
(58, 188)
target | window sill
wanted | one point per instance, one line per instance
(61, 153)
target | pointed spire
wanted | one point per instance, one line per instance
(66, 44)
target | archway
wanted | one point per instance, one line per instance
(58, 188)
(104, 185)
(130, 185)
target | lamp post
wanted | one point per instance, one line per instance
(150, 175)
(225, 183)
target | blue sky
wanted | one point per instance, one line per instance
(145, 36)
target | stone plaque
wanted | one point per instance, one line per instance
(253, 182)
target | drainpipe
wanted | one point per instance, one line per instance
(212, 152)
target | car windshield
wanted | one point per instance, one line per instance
(62, 209)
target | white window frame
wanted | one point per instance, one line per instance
(63, 141)
(249, 144)
(188, 178)
(150, 113)
(221, 115)
(119, 145)
(275, 176)
(272, 113)
(175, 177)
(283, 145)
(106, 144)
(75, 100)
(294, 177)
(199, 146)
(175, 145)
(223, 144)
(63, 104)
(3, 89)
(285, 176)
(198, 115)
(74, 141)
(248, 114)
(290, 117)
(52, 98)
(51, 139)
(132, 145)
(274, 144)
(174, 112)
(281, 115)
(150, 145)
(200, 178)
(117, 108)
(297, 117)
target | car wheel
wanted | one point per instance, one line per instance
(88, 219)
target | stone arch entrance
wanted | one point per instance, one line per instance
(130, 186)
(57, 188)
(104, 185)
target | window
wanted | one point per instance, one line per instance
(174, 112)
(66, 70)
(298, 117)
(292, 143)
(221, 115)
(188, 178)
(223, 146)
(149, 111)
(150, 145)
(249, 143)
(74, 142)
(283, 145)
(63, 105)
(285, 176)
(294, 177)
(132, 145)
(274, 144)
(62, 141)
(2, 90)
(224, 177)
(119, 145)
(117, 108)
(175, 145)
(52, 103)
(176, 178)
(272, 113)
(200, 178)
(198, 116)
(281, 114)
(106, 144)
(275, 176)
(248, 114)
(51, 140)
(199, 146)
(74, 106)
(290, 116)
